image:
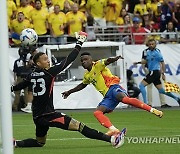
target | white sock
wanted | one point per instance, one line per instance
(151, 110)
(112, 127)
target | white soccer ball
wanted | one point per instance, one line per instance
(28, 37)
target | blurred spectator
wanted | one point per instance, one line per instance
(155, 9)
(39, 17)
(166, 13)
(17, 25)
(76, 21)
(138, 39)
(57, 23)
(65, 5)
(169, 38)
(147, 21)
(25, 8)
(11, 11)
(126, 29)
(176, 16)
(49, 6)
(20, 72)
(81, 5)
(141, 8)
(129, 5)
(30, 66)
(133, 90)
(97, 9)
(112, 11)
(120, 20)
(90, 29)
(156, 37)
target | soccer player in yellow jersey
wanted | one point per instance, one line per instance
(108, 85)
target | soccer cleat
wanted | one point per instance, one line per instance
(27, 109)
(157, 113)
(81, 36)
(118, 140)
(111, 132)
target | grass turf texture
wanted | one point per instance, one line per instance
(139, 124)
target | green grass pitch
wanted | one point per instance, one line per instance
(141, 125)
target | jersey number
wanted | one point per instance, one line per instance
(41, 83)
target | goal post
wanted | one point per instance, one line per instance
(6, 138)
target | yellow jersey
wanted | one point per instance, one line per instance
(39, 18)
(76, 22)
(96, 7)
(57, 20)
(26, 10)
(101, 77)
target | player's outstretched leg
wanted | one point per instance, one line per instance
(137, 103)
(105, 121)
(162, 91)
(116, 140)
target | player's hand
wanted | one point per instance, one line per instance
(65, 94)
(120, 57)
(81, 36)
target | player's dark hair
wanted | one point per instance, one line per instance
(36, 56)
(85, 53)
(151, 40)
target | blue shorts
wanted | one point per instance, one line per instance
(109, 101)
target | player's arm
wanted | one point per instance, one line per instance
(143, 61)
(112, 60)
(75, 89)
(25, 83)
(163, 67)
(56, 69)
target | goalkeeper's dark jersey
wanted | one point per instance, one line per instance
(41, 81)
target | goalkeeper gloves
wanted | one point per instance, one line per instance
(81, 36)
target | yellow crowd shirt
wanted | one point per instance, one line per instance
(11, 6)
(26, 10)
(96, 7)
(101, 77)
(113, 10)
(77, 20)
(18, 27)
(57, 20)
(39, 18)
(61, 3)
(142, 9)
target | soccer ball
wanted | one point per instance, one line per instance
(28, 37)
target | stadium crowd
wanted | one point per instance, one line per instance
(53, 19)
